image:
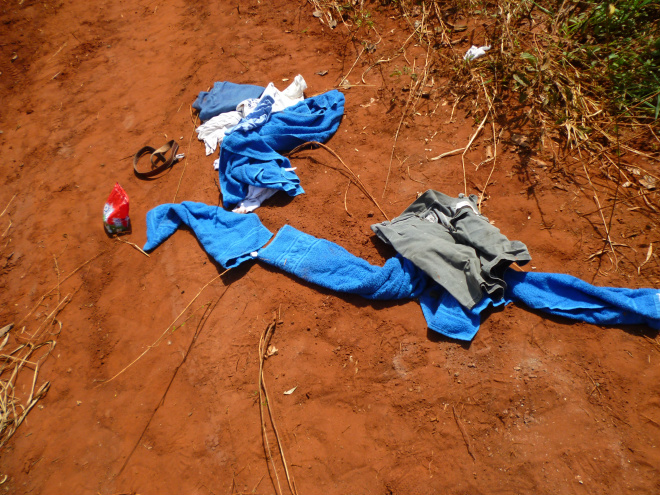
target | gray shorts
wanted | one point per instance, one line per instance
(455, 245)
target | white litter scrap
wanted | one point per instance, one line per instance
(475, 52)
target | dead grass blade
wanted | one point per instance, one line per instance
(600, 210)
(263, 398)
(171, 325)
(56, 287)
(355, 178)
(5, 210)
(132, 244)
(185, 163)
(464, 433)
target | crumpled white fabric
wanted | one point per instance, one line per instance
(213, 131)
(476, 52)
(283, 99)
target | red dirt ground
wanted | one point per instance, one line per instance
(84, 85)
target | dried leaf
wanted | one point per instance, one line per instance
(520, 140)
(6, 329)
(649, 182)
(271, 351)
(649, 253)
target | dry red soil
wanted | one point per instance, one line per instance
(547, 405)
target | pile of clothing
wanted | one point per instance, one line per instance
(450, 257)
(252, 126)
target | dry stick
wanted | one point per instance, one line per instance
(57, 270)
(157, 341)
(185, 163)
(346, 194)
(134, 245)
(413, 91)
(263, 349)
(351, 69)
(356, 178)
(483, 192)
(202, 321)
(466, 437)
(448, 153)
(467, 148)
(396, 136)
(607, 231)
(60, 282)
(12, 199)
(490, 108)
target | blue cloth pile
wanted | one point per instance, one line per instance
(232, 238)
(251, 153)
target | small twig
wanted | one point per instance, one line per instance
(607, 231)
(355, 178)
(195, 336)
(466, 437)
(134, 245)
(346, 194)
(263, 347)
(157, 341)
(5, 210)
(58, 284)
(351, 69)
(448, 153)
(185, 162)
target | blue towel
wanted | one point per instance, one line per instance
(252, 156)
(329, 265)
(445, 315)
(224, 97)
(228, 237)
(570, 297)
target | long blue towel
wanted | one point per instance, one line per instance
(252, 156)
(224, 97)
(326, 264)
(570, 297)
(329, 265)
(228, 237)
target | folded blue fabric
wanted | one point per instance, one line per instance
(224, 97)
(570, 297)
(228, 237)
(252, 156)
(445, 315)
(329, 265)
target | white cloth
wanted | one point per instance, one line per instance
(254, 198)
(476, 52)
(283, 99)
(213, 131)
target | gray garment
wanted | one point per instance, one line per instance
(455, 245)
